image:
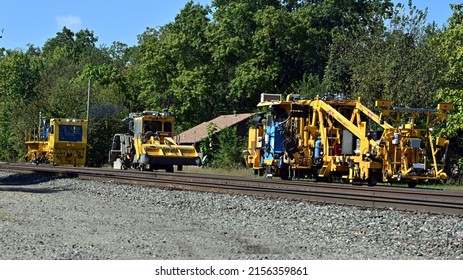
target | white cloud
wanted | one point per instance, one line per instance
(71, 22)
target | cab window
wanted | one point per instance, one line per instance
(70, 133)
(168, 127)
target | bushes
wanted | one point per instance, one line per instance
(230, 149)
(227, 152)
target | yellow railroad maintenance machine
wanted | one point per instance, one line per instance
(151, 146)
(323, 139)
(62, 141)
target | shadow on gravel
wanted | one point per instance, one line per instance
(29, 190)
(7, 184)
(27, 179)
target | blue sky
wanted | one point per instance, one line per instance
(31, 21)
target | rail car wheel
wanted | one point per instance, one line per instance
(374, 178)
(285, 174)
(259, 172)
(170, 169)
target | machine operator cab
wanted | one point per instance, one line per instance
(149, 126)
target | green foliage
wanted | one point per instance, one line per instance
(451, 89)
(7, 136)
(19, 73)
(309, 87)
(452, 74)
(207, 145)
(69, 46)
(230, 149)
(105, 121)
(221, 149)
(397, 62)
(176, 68)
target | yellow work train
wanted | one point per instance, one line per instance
(150, 145)
(62, 141)
(325, 138)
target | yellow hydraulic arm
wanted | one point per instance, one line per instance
(358, 130)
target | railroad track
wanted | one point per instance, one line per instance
(423, 200)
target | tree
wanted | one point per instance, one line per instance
(207, 146)
(452, 77)
(105, 121)
(176, 70)
(229, 152)
(395, 63)
(451, 87)
(19, 73)
(65, 58)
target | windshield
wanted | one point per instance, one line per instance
(70, 133)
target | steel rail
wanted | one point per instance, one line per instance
(422, 200)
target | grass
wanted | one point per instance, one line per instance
(442, 186)
(241, 172)
(4, 215)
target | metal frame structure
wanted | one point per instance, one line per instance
(322, 139)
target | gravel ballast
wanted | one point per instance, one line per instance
(44, 217)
